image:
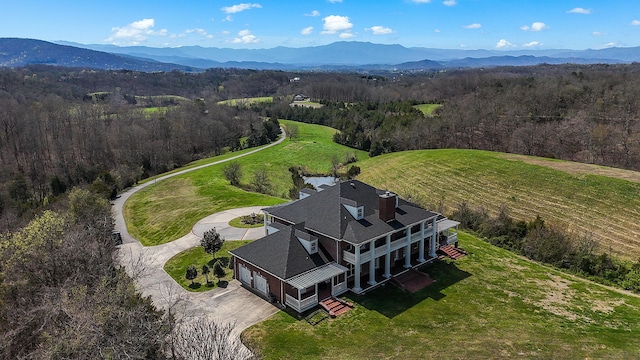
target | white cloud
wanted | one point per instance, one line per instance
(532, 44)
(436, 30)
(635, 22)
(598, 33)
(245, 37)
(307, 30)
(135, 32)
(450, 2)
(421, 1)
(336, 23)
(335, 1)
(609, 45)
(536, 26)
(503, 44)
(472, 26)
(579, 10)
(346, 35)
(239, 7)
(199, 31)
(380, 30)
(313, 13)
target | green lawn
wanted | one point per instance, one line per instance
(489, 304)
(591, 205)
(176, 266)
(427, 109)
(169, 209)
(246, 101)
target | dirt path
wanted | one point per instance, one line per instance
(578, 168)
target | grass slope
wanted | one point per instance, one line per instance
(489, 304)
(169, 209)
(246, 101)
(605, 207)
(427, 109)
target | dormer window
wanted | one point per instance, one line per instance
(360, 213)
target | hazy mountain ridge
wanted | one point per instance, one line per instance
(338, 56)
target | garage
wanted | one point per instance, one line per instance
(260, 283)
(245, 274)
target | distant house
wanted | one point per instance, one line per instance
(346, 237)
(300, 97)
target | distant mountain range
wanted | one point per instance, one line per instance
(338, 56)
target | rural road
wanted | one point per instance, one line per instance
(145, 264)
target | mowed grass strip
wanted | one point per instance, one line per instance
(246, 101)
(427, 109)
(176, 267)
(489, 304)
(606, 208)
(168, 209)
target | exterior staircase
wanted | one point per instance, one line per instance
(335, 306)
(451, 252)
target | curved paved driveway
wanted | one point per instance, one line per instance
(145, 263)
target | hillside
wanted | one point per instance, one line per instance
(490, 304)
(587, 204)
(22, 52)
(344, 56)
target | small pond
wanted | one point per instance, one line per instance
(320, 180)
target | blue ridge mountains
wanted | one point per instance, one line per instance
(338, 56)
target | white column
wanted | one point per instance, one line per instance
(407, 256)
(266, 215)
(421, 248)
(356, 268)
(372, 271)
(434, 238)
(387, 258)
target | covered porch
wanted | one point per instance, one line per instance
(304, 291)
(447, 232)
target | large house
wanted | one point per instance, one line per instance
(346, 237)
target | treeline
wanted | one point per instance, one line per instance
(63, 297)
(586, 113)
(550, 244)
(54, 137)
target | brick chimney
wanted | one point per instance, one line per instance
(387, 206)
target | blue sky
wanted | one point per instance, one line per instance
(451, 24)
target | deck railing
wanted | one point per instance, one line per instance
(381, 250)
(302, 305)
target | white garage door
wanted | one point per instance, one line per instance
(245, 275)
(260, 283)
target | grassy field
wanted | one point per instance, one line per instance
(169, 209)
(606, 208)
(427, 109)
(246, 101)
(176, 266)
(489, 304)
(307, 103)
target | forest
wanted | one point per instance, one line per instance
(70, 139)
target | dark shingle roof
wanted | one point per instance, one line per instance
(281, 253)
(324, 213)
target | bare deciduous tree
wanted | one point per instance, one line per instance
(201, 339)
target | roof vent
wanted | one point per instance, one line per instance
(352, 185)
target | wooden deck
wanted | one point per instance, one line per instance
(336, 306)
(450, 252)
(413, 280)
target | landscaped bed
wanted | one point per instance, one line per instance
(177, 265)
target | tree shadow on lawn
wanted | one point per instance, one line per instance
(390, 301)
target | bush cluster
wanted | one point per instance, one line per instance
(550, 244)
